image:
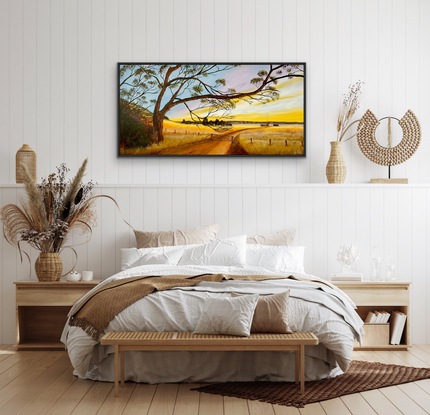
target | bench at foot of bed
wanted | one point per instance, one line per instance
(180, 341)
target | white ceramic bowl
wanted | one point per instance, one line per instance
(74, 276)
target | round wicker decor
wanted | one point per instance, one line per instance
(388, 156)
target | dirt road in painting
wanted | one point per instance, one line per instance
(213, 146)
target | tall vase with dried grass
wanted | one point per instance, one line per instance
(336, 167)
(45, 218)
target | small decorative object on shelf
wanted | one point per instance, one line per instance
(73, 276)
(391, 268)
(347, 255)
(336, 167)
(52, 209)
(376, 258)
(389, 155)
(25, 156)
(87, 275)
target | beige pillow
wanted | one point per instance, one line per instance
(271, 314)
(227, 315)
(285, 237)
(200, 235)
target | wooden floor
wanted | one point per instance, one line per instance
(39, 382)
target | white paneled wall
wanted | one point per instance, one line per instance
(58, 94)
(59, 61)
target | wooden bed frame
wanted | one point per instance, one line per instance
(184, 341)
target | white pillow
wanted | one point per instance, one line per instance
(231, 315)
(132, 257)
(230, 251)
(277, 258)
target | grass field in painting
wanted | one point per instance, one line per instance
(246, 138)
(282, 140)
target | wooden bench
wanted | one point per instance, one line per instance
(178, 341)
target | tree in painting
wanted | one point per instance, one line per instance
(149, 92)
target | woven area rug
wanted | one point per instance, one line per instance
(360, 377)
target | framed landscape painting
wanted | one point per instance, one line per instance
(211, 109)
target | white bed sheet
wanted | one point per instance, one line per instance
(320, 308)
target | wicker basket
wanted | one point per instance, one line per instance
(25, 156)
(336, 167)
(48, 266)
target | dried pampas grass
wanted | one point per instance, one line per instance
(50, 210)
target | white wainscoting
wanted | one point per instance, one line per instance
(395, 218)
(58, 78)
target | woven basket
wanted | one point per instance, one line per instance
(48, 266)
(25, 156)
(336, 167)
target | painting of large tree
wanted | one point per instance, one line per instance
(211, 109)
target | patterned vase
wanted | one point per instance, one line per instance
(336, 167)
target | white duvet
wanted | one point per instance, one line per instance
(317, 307)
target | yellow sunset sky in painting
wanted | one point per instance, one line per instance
(289, 107)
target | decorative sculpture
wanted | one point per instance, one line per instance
(389, 156)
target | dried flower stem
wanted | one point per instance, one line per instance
(347, 128)
(349, 106)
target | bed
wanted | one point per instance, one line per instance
(236, 278)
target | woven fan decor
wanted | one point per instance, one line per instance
(388, 156)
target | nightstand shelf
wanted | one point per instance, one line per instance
(381, 296)
(42, 309)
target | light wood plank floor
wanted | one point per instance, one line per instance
(41, 382)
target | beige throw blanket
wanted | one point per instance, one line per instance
(105, 302)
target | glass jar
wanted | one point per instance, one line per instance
(376, 258)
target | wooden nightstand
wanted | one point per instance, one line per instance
(380, 295)
(42, 309)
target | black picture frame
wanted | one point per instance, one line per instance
(211, 109)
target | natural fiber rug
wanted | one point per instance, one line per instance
(360, 377)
